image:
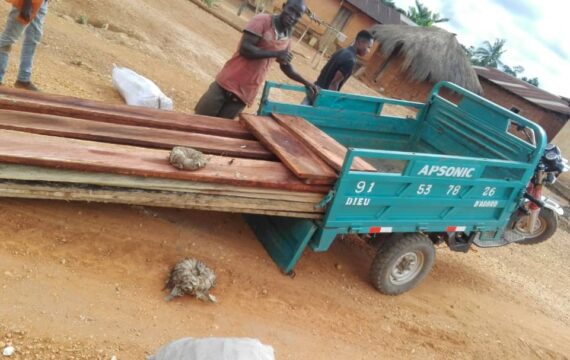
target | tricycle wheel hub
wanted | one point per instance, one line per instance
(521, 226)
(407, 267)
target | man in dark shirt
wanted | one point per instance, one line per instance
(340, 66)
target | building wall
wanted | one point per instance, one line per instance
(393, 83)
(358, 21)
(551, 122)
(326, 10)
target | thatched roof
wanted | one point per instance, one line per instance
(430, 53)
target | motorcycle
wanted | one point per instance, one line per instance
(537, 218)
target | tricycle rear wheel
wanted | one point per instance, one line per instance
(401, 263)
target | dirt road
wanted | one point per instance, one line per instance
(83, 281)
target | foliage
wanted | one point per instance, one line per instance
(210, 3)
(513, 71)
(421, 15)
(533, 81)
(489, 54)
(83, 20)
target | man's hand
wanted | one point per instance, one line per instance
(284, 57)
(312, 92)
(26, 12)
(312, 89)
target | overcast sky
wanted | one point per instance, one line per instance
(534, 31)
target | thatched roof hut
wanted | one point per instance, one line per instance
(425, 55)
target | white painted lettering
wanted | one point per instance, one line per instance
(424, 170)
(447, 171)
(486, 204)
(354, 201)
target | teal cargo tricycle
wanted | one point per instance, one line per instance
(454, 172)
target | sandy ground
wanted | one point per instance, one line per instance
(83, 281)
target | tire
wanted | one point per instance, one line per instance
(413, 252)
(548, 225)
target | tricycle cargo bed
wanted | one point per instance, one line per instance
(445, 167)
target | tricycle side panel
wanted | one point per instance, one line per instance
(353, 120)
(452, 131)
(432, 194)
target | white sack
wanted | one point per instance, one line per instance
(215, 349)
(138, 90)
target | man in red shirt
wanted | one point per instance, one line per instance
(265, 38)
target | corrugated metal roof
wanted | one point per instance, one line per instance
(525, 90)
(376, 10)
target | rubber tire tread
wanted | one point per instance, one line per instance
(390, 251)
(552, 224)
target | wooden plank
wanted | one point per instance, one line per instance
(298, 157)
(35, 173)
(41, 103)
(139, 197)
(330, 150)
(41, 150)
(200, 199)
(130, 135)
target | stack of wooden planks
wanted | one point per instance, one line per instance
(56, 147)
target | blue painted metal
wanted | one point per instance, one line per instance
(285, 239)
(459, 165)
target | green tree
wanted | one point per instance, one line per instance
(533, 81)
(489, 54)
(469, 51)
(421, 15)
(513, 71)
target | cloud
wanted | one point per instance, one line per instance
(558, 50)
(533, 30)
(518, 8)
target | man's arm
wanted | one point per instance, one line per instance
(343, 72)
(250, 50)
(337, 80)
(26, 11)
(293, 75)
